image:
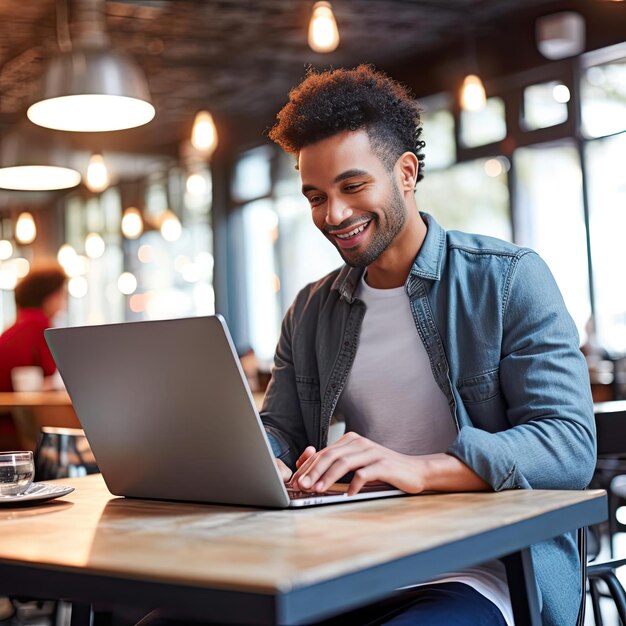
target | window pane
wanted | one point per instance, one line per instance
(305, 255)
(550, 219)
(252, 175)
(284, 251)
(473, 197)
(603, 99)
(438, 134)
(545, 105)
(260, 226)
(605, 160)
(479, 128)
(175, 278)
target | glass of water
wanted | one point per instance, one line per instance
(17, 470)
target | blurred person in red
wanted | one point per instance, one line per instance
(39, 296)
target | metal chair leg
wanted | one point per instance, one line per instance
(595, 602)
(617, 593)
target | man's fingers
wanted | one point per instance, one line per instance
(309, 476)
(342, 466)
(364, 475)
(285, 472)
(309, 451)
(311, 469)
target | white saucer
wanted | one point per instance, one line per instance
(37, 492)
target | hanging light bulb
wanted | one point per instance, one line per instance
(66, 255)
(25, 229)
(6, 249)
(78, 286)
(473, 97)
(204, 133)
(94, 246)
(97, 174)
(132, 223)
(323, 31)
(20, 266)
(127, 283)
(171, 229)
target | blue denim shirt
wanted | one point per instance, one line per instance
(504, 351)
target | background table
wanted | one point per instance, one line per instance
(242, 565)
(33, 409)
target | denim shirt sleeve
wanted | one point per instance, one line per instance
(281, 414)
(545, 383)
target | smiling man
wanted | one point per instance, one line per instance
(451, 357)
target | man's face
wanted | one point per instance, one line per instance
(354, 198)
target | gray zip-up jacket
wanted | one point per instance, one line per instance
(504, 351)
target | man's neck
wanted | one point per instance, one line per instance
(392, 267)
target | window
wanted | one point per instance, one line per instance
(438, 133)
(479, 128)
(605, 160)
(283, 252)
(545, 105)
(550, 219)
(471, 196)
(174, 278)
(603, 99)
(252, 175)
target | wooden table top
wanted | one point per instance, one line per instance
(245, 549)
(15, 399)
(18, 399)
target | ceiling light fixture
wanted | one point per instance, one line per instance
(323, 31)
(94, 246)
(97, 174)
(132, 223)
(127, 283)
(473, 96)
(6, 249)
(171, 229)
(92, 87)
(560, 35)
(66, 255)
(25, 228)
(204, 133)
(32, 160)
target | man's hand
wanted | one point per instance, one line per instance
(371, 462)
(285, 472)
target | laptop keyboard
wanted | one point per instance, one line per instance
(295, 494)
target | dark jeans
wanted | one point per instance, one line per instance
(444, 604)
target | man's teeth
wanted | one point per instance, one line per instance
(357, 230)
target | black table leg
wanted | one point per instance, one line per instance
(82, 614)
(523, 588)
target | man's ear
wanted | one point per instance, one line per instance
(408, 167)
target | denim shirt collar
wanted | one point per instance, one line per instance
(427, 263)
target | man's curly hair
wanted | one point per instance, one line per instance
(330, 102)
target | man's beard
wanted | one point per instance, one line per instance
(382, 237)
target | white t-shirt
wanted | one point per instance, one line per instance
(391, 397)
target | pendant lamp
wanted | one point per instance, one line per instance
(89, 86)
(32, 160)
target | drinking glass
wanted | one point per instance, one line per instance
(17, 470)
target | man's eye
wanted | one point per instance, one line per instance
(353, 187)
(315, 200)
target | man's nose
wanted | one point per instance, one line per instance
(338, 210)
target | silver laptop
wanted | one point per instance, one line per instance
(169, 415)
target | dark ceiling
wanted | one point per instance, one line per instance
(239, 58)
